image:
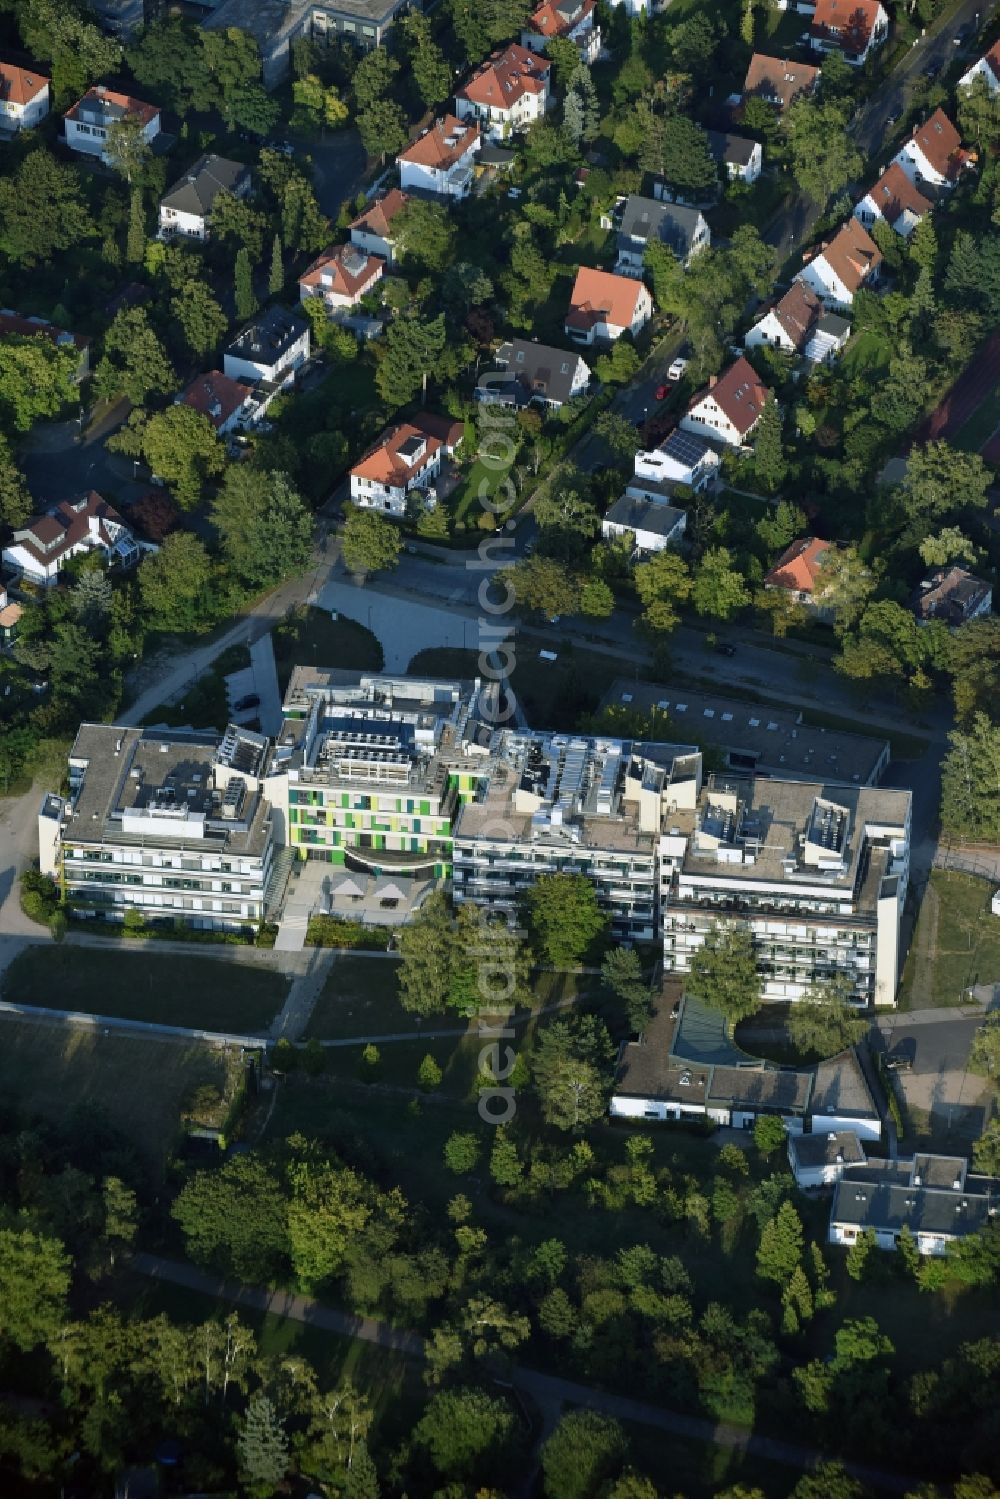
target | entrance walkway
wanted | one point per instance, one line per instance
(306, 888)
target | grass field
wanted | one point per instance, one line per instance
(956, 942)
(166, 988)
(358, 999)
(481, 483)
(139, 1084)
(555, 693)
(866, 355)
(981, 425)
(309, 637)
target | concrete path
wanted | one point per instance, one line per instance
(265, 676)
(404, 627)
(290, 1023)
(545, 1389)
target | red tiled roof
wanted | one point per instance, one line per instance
(938, 142)
(50, 537)
(352, 271)
(379, 215)
(25, 327)
(383, 463)
(894, 193)
(549, 21)
(849, 23)
(852, 255)
(216, 396)
(138, 109)
(740, 394)
(601, 297)
(20, 85)
(798, 566)
(446, 142)
(778, 78)
(444, 428)
(505, 77)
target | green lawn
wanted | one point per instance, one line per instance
(139, 1084)
(309, 637)
(166, 988)
(205, 704)
(359, 999)
(866, 355)
(981, 425)
(481, 483)
(956, 942)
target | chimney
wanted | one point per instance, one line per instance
(713, 381)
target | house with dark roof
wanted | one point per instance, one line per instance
(88, 121)
(798, 324)
(953, 595)
(896, 200)
(41, 548)
(186, 208)
(986, 69)
(933, 156)
(682, 458)
(13, 324)
(820, 1159)
(683, 230)
(652, 523)
(778, 80)
(854, 28)
(729, 407)
(24, 98)
(935, 1197)
(270, 349)
(740, 158)
(839, 269)
(531, 372)
(372, 230)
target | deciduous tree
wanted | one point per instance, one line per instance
(564, 917)
(369, 543)
(263, 523)
(724, 973)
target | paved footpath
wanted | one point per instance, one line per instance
(543, 1388)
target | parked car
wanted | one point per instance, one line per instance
(250, 701)
(723, 649)
(676, 370)
(899, 1063)
(661, 392)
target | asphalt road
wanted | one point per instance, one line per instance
(338, 168)
(936, 1047)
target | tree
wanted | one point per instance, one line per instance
(429, 1074)
(407, 355)
(482, 24)
(824, 1021)
(769, 1133)
(979, 114)
(780, 1250)
(544, 584)
(828, 1480)
(91, 600)
(505, 1163)
(681, 153)
(796, 1301)
(464, 1431)
(940, 482)
(15, 499)
(844, 584)
(263, 524)
(860, 1252)
(120, 1224)
(769, 464)
(135, 243)
(970, 780)
(362, 1477)
(234, 1219)
(34, 1284)
(662, 583)
(824, 157)
(263, 1447)
(597, 600)
(382, 126)
(564, 917)
(245, 301)
(568, 1066)
(622, 974)
(276, 276)
(179, 444)
(424, 233)
(984, 1053)
(200, 318)
(37, 380)
(68, 35)
(430, 71)
(718, 587)
(134, 363)
(461, 1152)
(126, 148)
(42, 210)
(724, 973)
(368, 542)
(582, 1454)
(986, 1150)
(173, 584)
(427, 949)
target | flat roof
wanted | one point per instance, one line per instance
(773, 739)
(888, 1206)
(826, 1148)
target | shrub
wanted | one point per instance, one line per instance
(284, 1056)
(314, 1058)
(39, 896)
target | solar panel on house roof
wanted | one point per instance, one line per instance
(685, 447)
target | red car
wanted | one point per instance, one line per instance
(662, 392)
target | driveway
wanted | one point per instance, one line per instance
(938, 1086)
(58, 463)
(338, 168)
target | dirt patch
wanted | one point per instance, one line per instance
(973, 386)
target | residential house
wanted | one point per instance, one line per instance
(24, 98)
(933, 156)
(683, 230)
(41, 548)
(730, 406)
(12, 323)
(896, 200)
(987, 68)
(681, 459)
(86, 125)
(342, 275)
(798, 571)
(777, 80)
(820, 1160)
(935, 1197)
(954, 595)
(573, 19)
(797, 324)
(740, 158)
(407, 457)
(604, 306)
(854, 28)
(372, 230)
(276, 24)
(270, 349)
(10, 616)
(652, 523)
(229, 404)
(440, 162)
(187, 207)
(836, 271)
(534, 373)
(507, 92)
